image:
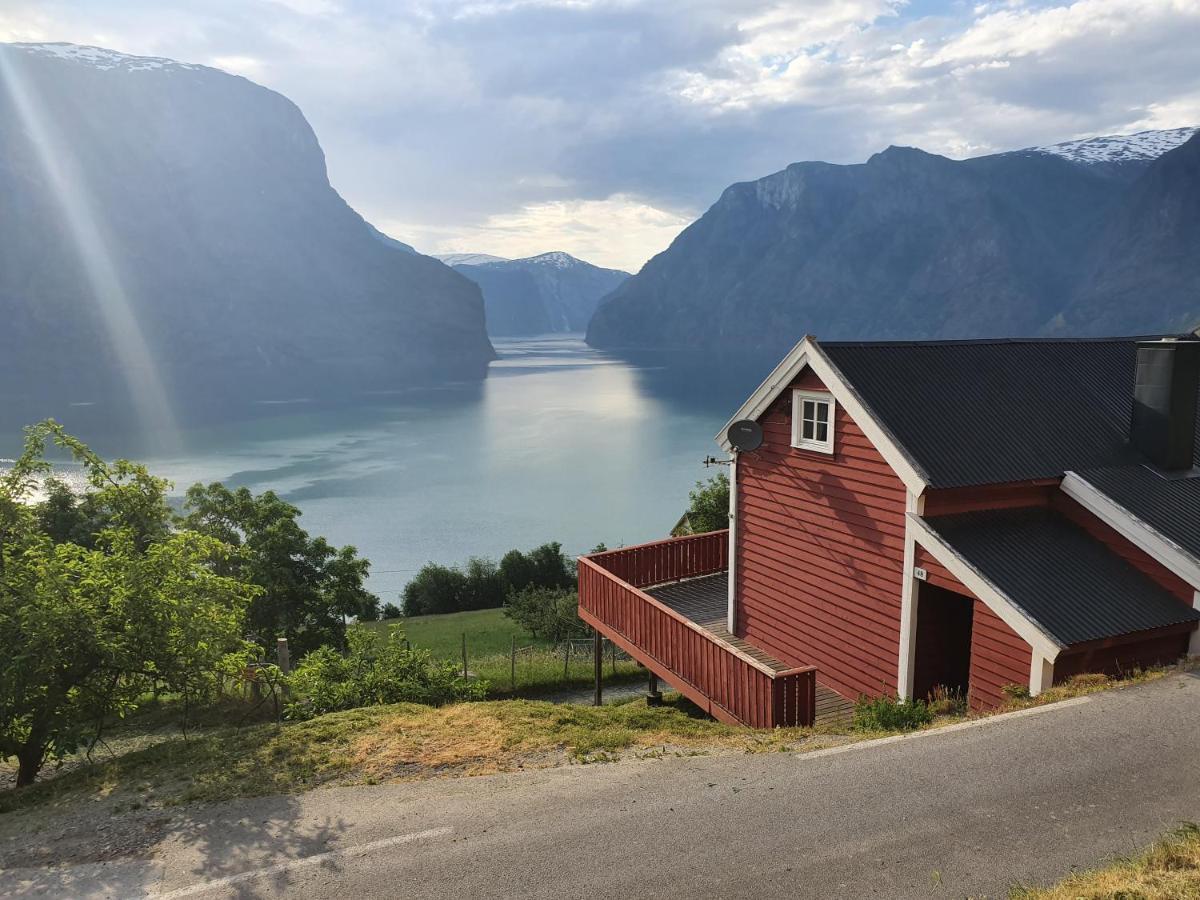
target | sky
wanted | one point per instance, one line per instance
(603, 127)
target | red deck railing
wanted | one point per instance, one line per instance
(727, 682)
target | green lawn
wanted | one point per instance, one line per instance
(488, 632)
(540, 668)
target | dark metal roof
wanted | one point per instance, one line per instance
(1062, 578)
(984, 412)
(1170, 505)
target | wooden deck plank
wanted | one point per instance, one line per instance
(705, 601)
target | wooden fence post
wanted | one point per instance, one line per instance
(282, 656)
(567, 661)
(464, 642)
(513, 674)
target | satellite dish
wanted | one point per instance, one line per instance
(745, 435)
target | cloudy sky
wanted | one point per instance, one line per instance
(602, 127)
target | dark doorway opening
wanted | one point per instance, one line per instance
(943, 641)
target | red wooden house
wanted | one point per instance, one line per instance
(970, 514)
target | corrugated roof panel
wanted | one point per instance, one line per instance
(1061, 577)
(986, 412)
(1169, 505)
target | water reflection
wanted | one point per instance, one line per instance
(560, 442)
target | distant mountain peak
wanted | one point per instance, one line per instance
(101, 57)
(556, 258)
(1116, 148)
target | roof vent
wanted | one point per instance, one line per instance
(1165, 391)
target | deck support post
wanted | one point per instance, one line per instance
(653, 694)
(598, 661)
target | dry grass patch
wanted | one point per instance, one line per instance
(1170, 870)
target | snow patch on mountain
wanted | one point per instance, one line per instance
(101, 58)
(555, 259)
(1143, 145)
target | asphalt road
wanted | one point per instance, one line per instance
(955, 813)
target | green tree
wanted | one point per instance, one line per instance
(545, 566)
(390, 611)
(549, 613)
(708, 509)
(435, 589)
(84, 630)
(307, 585)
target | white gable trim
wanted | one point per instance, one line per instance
(808, 353)
(997, 601)
(1139, 533)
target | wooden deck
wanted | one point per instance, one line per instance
(705, 601)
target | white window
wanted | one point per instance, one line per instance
(812, 421)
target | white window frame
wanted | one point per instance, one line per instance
(799, 397)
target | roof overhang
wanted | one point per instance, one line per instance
(1135, 530)
(978, 584)
(808, 354)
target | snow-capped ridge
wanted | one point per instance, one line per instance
(556, 258)
(101, 58)
(1115, 148)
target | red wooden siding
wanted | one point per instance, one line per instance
(1136, 557)
(820, 544)
(999, 656)
(938, 574)
(994, 496)
(1122, 656)
(719, 678)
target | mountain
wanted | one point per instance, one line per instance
(172, 224)
(553, 292)
(910, 245)
(1121, 155)
(1144, 270)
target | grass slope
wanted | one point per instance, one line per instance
(388, 743)
(1170, 870)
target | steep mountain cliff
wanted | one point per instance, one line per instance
(1144, 271)
(906, 245)
(553, 292)
(172, 223)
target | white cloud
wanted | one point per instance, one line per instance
(620, 232)
(598, 126)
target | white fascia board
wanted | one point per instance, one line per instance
(978, 584)
(731, 570)
(1137, 532)
(808, 353)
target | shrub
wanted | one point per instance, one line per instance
(374, 673)
(890, 714)
(435, 589)
(391, 611)
(1015, 691)
(548, 613)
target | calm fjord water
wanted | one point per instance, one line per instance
(560, 442)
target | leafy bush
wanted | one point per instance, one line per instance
(548, 613)
(1015, 691)
(890, 714)
(374, 673)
